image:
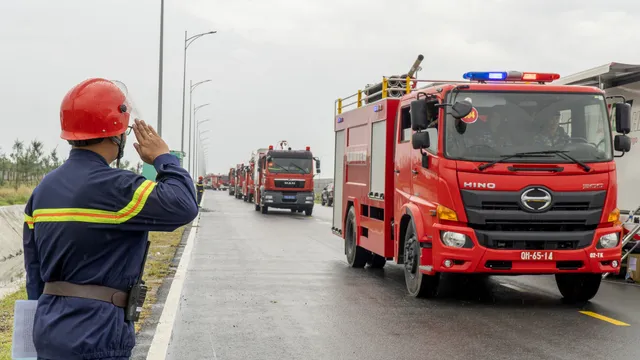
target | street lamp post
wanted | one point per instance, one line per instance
(204, 148)
(197, 141)
(192, 154)
(192, 87)
(205, 157)
(160, 68)
(187, 42)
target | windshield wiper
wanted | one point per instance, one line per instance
(303, 170)
(561, 153)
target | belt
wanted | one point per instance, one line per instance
(95, 292)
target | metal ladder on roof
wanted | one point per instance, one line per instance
(628, 237)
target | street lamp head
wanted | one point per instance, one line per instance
(198, 107)
(194, 86)
(203, 121)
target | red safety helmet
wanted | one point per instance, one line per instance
(95, 108)
(200, 178)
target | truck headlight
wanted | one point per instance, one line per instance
(454, 239)
(608, 241)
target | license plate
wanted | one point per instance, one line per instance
(536, 255)
(290, 197)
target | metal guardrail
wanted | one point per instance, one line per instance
(390, 87)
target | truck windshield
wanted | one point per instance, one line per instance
(289, 166)
(517, 122)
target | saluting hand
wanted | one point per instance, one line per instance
(150, 145)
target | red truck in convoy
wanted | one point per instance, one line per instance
(284, 179)
(481, 176)
(248, 188)
(232, 181)
(212, 181)
(239, 180)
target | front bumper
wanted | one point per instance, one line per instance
(481, 259)
(288, 200)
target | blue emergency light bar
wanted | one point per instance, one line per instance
(510, 76)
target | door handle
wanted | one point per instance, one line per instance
(396, 171)
(414, 171)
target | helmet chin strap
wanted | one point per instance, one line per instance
(120, 141)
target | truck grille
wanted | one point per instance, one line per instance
(289, 183)
(501, 221)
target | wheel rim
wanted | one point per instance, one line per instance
(411, 257)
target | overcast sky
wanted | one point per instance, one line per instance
(277, 66)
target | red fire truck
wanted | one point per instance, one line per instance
(216, 182)
(284, 179)
(248, 188)
(232, 181)
(239, 180)
(209, 182)
(481, 176)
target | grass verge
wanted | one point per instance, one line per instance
(11, 196)
(162, 251)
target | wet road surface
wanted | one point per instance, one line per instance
(277, 286)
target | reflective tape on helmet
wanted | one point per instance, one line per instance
(132, 209)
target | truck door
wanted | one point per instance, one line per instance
(424, 181)
(403, 160)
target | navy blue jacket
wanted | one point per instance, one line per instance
(88, 223)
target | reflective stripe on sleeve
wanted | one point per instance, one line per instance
(28, 220)
(132, 209)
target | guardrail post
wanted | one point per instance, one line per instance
(408, 86)
(339, 106)
(359, 98)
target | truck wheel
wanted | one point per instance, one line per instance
(329, 202)
(377, 261)
(308, 211)
(418, 284)
(323, 202)
(257, 207)
(265, 209)
(577, 288)
(356, 256)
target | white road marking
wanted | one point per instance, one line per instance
(162, 336)
(513, 287)
(323, 221)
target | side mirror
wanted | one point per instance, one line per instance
(623, 118)
(419, 114)
(622, 143)
(461, 109)
(317, 165)
(420, 140)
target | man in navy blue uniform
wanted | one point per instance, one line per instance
(86, 226)
(200, 190)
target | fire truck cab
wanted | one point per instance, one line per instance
(284, 179)
(248, 188)
(239, 180)
(232, 181)
(501, 173)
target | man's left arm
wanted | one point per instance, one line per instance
(35, 285)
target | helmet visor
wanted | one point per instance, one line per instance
(129, 103)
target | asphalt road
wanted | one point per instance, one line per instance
(277, 286)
